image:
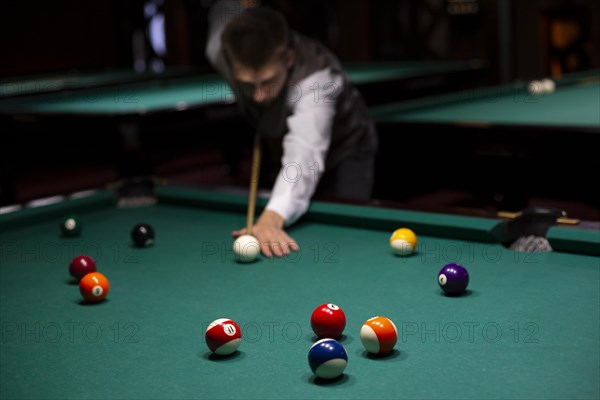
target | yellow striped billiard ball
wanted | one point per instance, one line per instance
(403, 242)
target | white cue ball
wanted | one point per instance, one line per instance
(548, 86)
(246, 248)
(535, 88)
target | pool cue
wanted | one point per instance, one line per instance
(253, 184)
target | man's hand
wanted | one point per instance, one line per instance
(274, 241)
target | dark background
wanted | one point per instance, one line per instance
(517, 40)
(515, 37)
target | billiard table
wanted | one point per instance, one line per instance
(527, 327)
(38, 84)
(124, 92)
(499, 139)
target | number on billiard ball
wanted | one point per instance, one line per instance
(142, 235)
(223, 336)
(328, 321)
(453, 279)
(94, 287)
(80, 266)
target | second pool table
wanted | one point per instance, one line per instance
(501, 140)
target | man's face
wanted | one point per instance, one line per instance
(263, 85)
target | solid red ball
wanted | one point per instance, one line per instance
(328, 321)
(80, 266)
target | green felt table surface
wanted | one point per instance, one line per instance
(174, 94)
(51, 82)
(363, 72)
(528, 327)
(576, 102)
(178, 93)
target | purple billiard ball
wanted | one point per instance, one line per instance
(453, 279)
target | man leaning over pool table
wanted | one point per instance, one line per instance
(296, 94)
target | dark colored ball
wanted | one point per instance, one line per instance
(453, 279)
(80, 266)
(142, 235)
(70, 226)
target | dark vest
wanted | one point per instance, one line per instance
(353, 133)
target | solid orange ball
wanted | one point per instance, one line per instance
(94, 287)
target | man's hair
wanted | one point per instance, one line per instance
(254, 37)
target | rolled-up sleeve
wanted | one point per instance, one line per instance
(306, 143)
